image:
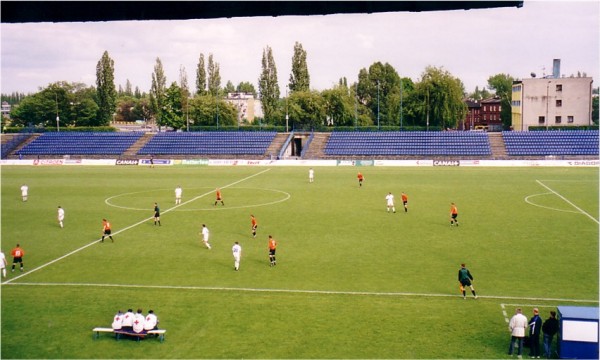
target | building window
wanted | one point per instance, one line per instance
(570, 119)
(558, 87)
(558, 103)
(557, 119)
(541, 119)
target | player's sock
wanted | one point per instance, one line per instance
(394, 209)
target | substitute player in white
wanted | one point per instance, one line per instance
(3, 263)
(178, 193)
(236, 250)
(24, 192)
(311, 175)
(61, 216)
(390, 202)
(205, 233)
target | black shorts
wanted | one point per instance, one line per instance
(254, 227)
(466, 282)
(17, 260)
(454, 216)
(156, 214)
(272, 251)
(107, 232)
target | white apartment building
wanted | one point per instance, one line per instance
(247, 106)
(551, 101)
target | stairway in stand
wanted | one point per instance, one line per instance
(497, 145)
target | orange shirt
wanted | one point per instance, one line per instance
(218, 194)
(272, 244)
(360, 176)
(106, 225)
(404, 197)
(253, 221)
(453, 210)
(17, 252)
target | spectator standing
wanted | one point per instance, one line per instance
(535, 329)
(549, 328)
(517, 326)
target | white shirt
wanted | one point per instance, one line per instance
(2, 260)
(517, 325)
(311, 173)
(390, 199)
(151, 321)
(237, 251)
(117, 321)
(178, 192)
(61, 214)
(127, 319)
(205, 233)
(138, 323)
(24, 189)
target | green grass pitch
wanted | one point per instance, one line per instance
(351, 281)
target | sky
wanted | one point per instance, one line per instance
(471, 45)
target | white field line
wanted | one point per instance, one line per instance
(127, 228)
(295, 291)
(568, 202)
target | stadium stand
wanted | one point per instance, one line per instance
(209, 143)
(411, 143)
(572, 142)
(81, 143)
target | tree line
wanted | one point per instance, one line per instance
(379, 98)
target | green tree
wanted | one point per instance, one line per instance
(379, 90)
(203, 112)
(201, 77)
(307, 109)
(502, 85)
(105, 88)
(246, 87)
(157, 92)
(229, 88)
(480, 94)
(268, 86)
(299, 78)
(73, 103)
(128, 88)
(340, 106)
(172, 112)
(126, 109)
(185, 93)
(214, 76)
(441, 96)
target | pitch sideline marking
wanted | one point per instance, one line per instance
(296, 291)
(568, 202)
(128, 227)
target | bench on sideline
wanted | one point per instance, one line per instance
(160, 333)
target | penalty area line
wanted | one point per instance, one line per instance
(127, 228)
(295, 291)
